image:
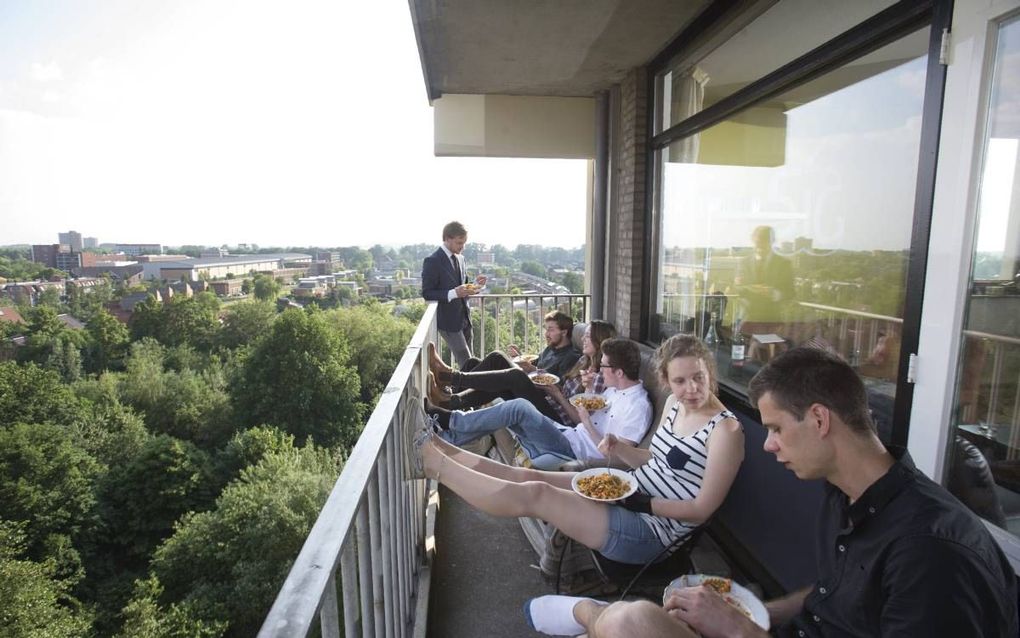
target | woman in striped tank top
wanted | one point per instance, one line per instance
(688, 469)
(682, 479)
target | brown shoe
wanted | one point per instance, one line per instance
(436, 396)
(443, 372)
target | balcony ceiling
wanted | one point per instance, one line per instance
(569, 48)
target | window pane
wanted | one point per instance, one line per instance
(791, 222)
(986, 441)
(762, 46)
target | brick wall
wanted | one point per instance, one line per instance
(627, 222)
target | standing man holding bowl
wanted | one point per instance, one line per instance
(443, 280)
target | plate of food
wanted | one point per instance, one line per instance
(733, 593)
(526, 358)
(591, 402)
(604, 484)
(544, 378)
(473, 289)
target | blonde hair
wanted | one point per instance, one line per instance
(679, 346)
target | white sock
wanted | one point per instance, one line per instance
(554, 614)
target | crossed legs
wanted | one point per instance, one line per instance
(502, 490)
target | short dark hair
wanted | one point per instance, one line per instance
(454, 229)
(562, 319)
(801, 377)
(623, 354)
(684, 345)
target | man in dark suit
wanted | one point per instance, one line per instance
(764, 279)
(443, 280)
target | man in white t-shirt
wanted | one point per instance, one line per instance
(550, 444)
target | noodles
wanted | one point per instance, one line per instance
(721, 585)
(604, 487)
(590, 403)
(544, 379)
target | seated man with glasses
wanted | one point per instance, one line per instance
(550, 444)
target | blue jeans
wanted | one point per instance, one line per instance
(538, 434)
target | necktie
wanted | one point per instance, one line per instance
(456, 268)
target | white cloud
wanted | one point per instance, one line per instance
(48, 72)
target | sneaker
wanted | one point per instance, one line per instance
(418, 429)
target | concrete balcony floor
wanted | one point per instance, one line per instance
(482, 574)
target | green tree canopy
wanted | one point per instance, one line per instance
(107, 342)
(47, 482)
(141, 499)
(227, 564)
(299, 378)
(32, 597)
(265, 287)
(30, 394)
(377, 340)
(245, 322)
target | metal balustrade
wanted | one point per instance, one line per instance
(986, 389)
(495, 316)
(371, 533)
(364, 569)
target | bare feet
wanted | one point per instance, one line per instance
(443, 372)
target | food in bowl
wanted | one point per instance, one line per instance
(604, 487)
(590, 402)
(544, 379)
(733, 593)
(526, 358)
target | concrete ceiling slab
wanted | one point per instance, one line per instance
(569, 48)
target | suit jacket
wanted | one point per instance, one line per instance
(437, 279)
(777, 274)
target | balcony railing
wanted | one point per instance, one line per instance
(517, 318)
(989, 394)
(365, 564)
(372, 530)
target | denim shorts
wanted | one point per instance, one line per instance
(630, 540)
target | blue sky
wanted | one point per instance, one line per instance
(217, 121)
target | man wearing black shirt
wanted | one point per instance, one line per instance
(897, 554)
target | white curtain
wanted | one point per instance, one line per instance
(687, 92)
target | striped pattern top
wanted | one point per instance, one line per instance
(675, 471)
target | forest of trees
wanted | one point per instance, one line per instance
(158, 479)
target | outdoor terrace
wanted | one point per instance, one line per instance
(395, 557)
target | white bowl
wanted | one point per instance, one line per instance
(595, 471)
(589, 395)
(739, 596)
(534, 374)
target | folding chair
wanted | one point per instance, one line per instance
(648, 580)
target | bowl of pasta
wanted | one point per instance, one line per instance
(734, 594)
(543, 378)
(589, 401)
(604, 484)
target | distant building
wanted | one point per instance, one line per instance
(46, 254)
(123, 275)
(73, 239)
(136, 249)
(226, 287)
(90, 242)
(218, 268)
(485, 257)
(99, 259)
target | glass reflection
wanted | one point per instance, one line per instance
(985, 447)
(790, 223)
